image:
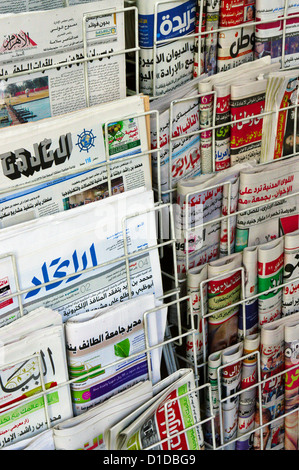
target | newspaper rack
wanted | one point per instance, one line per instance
(171, 342)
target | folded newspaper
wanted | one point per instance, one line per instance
(266, 208)
(238, 94)
(178, 406)
(89, 430)
(42, 441)
(60, 163)
(225, 377)
(107, 350)
(170, 63)
(75, 262)
(201, 201)
(179, 155)
(275, 37)
(280, 128)
(37, 77)
(280, 391)
(235, 45)
(113, 434)
(33, 359)
(20, 6)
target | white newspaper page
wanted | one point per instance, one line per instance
(250, 264)
(231, 378)
(68, 261)
(96, 341)
(36, 152)
(214, 362)
(20, 6)
(42, 441)
(195, 277)
(269, 31)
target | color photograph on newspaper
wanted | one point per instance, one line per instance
(24, 101)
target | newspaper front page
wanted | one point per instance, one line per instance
(47, 90)
(273, 396)
(40, 154)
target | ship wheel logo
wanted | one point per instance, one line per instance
(86, 140)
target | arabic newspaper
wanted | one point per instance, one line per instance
(224, 383)
(247, 101)
(220, 86)
(269, 34)
(195, 277)
(224, 289)
(213, 409)
(265, 214)
(231, 98)
(21, 379)
(199, 44)
(283, 334)
(291, 385)
(19, 6)
(206, 118)
(42, 441)
(247, 405)
(290, 291)
(53, 251)
(98, 340)
(280, 127)
(272, 363)
(231, 383)
(173, 64)
(179, 405)
(270, 275)
(178, 117)
(250, 264)
(203, 200)
(56, 146)
(88, 431)
(235, 46)
(59, 90)
(113, 435)
(211, 42)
